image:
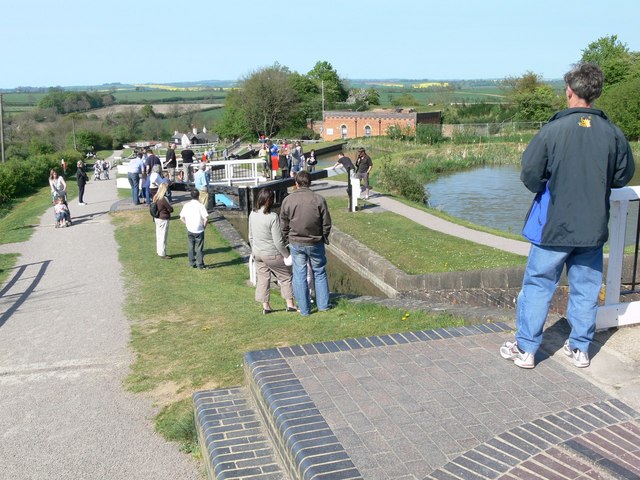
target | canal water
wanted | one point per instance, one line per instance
(488, 196)
(495, 197)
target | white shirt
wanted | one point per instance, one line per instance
(194, 216)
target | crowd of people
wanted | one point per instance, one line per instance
(288, 158)
(575, 159)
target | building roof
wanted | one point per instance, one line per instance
(370, 114)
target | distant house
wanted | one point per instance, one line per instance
(194, 137)
(345, 124)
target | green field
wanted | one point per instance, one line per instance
(158, 96)
(21, 99)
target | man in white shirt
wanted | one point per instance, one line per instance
(194, 215)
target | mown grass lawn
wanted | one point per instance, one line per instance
(191, 328)
(415, 248)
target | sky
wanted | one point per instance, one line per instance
(80, 43)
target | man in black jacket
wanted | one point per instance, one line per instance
(187, 161)
(170, 162)
(571, 165)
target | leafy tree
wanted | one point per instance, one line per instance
(67, 102)
(361, 99)
(532, 99)
(147, 111)
(373, 96)
(323, 74)
(40, 146)
(267, 99)
(621, 102)
(612, 56)
(405, 100)
(233, 123)
(154, 128)
(309, 99)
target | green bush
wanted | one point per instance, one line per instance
(402, 181)
(429, 134)
(23, 177)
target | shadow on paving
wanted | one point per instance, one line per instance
(24, 284)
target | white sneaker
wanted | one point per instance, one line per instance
(81, 203)
(580, 358)
(510, 351)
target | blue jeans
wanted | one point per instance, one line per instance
(544, 267)
(316, 256)
(134, 181)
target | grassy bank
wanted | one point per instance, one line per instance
(415, 248)
(191, 328)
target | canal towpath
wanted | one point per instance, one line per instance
(426, 219)
(64, 356)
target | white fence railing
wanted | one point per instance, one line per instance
(222, 172)
(614, 313)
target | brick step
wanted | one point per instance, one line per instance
(306, 445)
(596, 441)
(233, 441)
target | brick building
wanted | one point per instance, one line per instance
(345, 124)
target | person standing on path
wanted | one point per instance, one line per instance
(194, 216)
(364, 164)
(65, 361)
(171, 162)
(162, 222)
(135, 169)
(571, 165)
(306, 224)
(82, 178)
(202, 184)
(187, 160)
(269, 252)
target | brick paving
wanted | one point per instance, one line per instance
(438, 404)
(432, 409)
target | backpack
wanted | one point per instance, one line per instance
(154, 210)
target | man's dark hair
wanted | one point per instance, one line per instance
(302, 179)
(586, 81)
(195, 194)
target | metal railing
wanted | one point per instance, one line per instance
(230, 172)
(615, 313)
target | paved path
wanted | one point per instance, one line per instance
(64, 355)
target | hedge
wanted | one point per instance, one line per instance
(19, 178)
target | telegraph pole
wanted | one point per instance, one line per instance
(1, 129)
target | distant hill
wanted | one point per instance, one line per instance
(204, 84)
(125, 86)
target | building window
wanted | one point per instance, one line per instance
(367, 130)
(343, 132)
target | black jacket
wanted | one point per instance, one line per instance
(572, 164)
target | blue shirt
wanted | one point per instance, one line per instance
(136, 165)
(201, 180)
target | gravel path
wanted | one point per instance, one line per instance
(64, 355)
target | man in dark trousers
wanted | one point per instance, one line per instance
(571, 165)
(187, 160)
(170, 162)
